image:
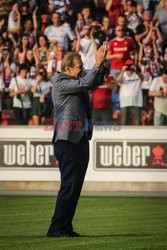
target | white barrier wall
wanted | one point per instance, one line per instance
(126, 154)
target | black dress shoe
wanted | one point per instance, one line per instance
(74, 234)
(63, 234)
(58, 234)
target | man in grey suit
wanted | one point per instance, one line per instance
(71, 134)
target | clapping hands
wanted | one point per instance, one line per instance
(101, 54)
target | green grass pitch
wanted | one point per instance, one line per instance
(107, 223)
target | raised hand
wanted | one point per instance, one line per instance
(157, 25)
(35, 12)
(104, 47)
(2, 22)
(91, 33)
(38, 78)
(77, 33)
(100, 54)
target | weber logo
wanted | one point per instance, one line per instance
(26, 154)
(130, 154)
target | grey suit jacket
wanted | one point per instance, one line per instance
(72, 105)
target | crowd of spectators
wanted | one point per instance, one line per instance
(35, 35)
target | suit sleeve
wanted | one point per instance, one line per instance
(72, 85)
(100, 77)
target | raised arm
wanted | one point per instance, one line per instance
(155, 51)
(35, 23)
(36, 83)
(78, 41)
(108, 4)
(18, 22)
(119, 78)
(140, 55)
(148, 36)
(159, 34)
(90, 80)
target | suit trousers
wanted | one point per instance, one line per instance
(73, 161)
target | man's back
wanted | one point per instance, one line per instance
(71, 106)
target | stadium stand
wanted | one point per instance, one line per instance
(35, 35)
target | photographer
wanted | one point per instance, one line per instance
(41, 87)
(131, 99)
(20, 91)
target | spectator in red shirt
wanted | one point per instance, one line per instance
(120, 49)
(115, 8)
(101, 100)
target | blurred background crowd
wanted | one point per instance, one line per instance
(35, 35)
